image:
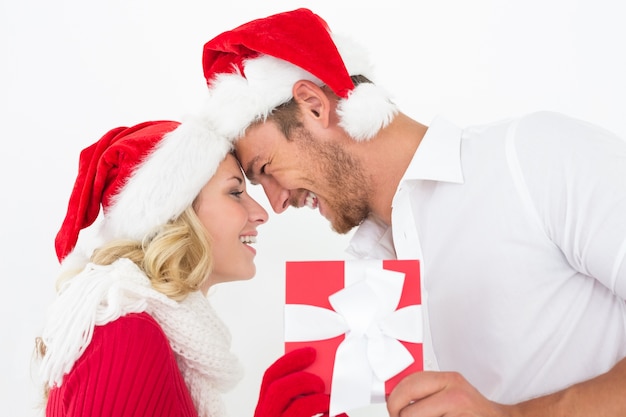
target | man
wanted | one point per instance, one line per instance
(520, 225)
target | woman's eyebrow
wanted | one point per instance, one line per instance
(238, 178)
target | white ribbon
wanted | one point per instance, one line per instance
(371, 352)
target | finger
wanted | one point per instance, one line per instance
(283, 391)
(293, 361)
(434, 405)
(308, 405)
(412, 388)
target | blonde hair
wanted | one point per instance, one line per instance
(177, 258)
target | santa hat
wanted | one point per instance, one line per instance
(251, 69)
(142, 177)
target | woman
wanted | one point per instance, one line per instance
(131, 332)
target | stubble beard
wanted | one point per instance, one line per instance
(346, 197)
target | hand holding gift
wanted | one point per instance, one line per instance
(364, 319)
(288, 391)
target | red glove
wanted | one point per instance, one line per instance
(288, 391)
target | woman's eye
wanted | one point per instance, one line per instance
(236, 193)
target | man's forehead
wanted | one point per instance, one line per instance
(245, 151)
(249, 167)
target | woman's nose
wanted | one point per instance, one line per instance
(257, 213)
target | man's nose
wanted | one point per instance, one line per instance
(277, 195)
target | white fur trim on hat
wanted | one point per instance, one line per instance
(236, 101)
(167, 182)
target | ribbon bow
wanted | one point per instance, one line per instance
(371, 352)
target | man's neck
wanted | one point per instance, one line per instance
(387, 157)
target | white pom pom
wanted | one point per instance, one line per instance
(366, 110)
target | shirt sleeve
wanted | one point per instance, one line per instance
(127, 370)
(576, 175)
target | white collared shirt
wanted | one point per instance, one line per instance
(520, 226)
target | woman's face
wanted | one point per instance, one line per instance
(231, 217)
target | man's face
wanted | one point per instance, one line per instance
(304, 171)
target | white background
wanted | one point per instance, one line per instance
(70, 70)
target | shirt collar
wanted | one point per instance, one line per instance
(372, 240)
(438, 157)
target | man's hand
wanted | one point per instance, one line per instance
(435, 394)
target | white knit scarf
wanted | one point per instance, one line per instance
(102, 294)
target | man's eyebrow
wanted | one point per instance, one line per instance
(249, 169)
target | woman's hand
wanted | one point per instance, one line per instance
(289, 391)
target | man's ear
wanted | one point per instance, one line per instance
(313, 101)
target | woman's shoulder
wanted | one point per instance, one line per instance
(129, 349)
(138, 321)
(135, 332)
(129, 365)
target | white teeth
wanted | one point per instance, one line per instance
(247, 239)
(310, 200)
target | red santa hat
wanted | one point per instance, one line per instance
(142, 177)
(251, 69)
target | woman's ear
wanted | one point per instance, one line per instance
(313, 101)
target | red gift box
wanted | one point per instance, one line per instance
(364, 319)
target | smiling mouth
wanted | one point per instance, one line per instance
(247, 239)
(311, 200)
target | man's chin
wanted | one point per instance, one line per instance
(342, 224)
(341, 227)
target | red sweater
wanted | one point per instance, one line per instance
(127, 370)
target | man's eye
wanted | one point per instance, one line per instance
(262, 171)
